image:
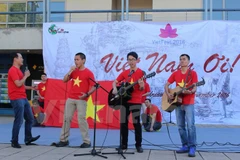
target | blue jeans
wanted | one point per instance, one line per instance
(22, 109)
(184, 114)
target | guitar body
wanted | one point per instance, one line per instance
(116, 103)
(124, 93)
(167, 105)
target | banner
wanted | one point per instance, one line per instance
(212, 45)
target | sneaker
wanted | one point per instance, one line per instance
(29, 142)
(62, 144)
(15, 145)
(85, 145)
(191, 152)
(184, 149)
(139, 149)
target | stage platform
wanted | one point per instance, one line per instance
(214, 142)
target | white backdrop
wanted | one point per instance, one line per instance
(212, 45)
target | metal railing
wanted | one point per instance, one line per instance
(116, 15)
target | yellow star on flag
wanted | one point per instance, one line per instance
(77, 82)
(181, 84)
(43, 88)
(131, 82)
(91, 109)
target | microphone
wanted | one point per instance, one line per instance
(26, 68)
(132, 71)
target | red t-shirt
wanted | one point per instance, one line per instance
(179, 78)
(137, 93)
(146, 90)
(152, 110)
(41, 89)
(37, 110)
(80, 82)
(15, 92)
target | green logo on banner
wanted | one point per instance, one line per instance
(53, 29)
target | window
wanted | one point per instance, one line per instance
(225, 4)
(29, 20)
(34, 20)
(57, 6)
(216, 4)
(3, 18)
(16, 7)
(232, 4)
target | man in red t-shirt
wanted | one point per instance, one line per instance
(144, 96)
(19, 102)
(152, 118)
(134, 74)
(42, 89)
(183, 78)
(82, 81)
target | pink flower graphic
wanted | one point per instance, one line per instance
(168, 32)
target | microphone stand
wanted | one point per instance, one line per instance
(171, 118)
(94, 152)
(120, 150)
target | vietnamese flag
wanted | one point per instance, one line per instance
(54, 103)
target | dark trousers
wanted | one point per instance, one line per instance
(147, 121)
(22, 111)
(125, 112)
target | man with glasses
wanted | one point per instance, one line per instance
(134, 104)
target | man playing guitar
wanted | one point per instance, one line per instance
(134, 104)
(185, 77)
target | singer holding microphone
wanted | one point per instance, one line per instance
(134, 104)
(82, 86)
(19, 102)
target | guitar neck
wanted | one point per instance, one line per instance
(179, 92)
(131, 85)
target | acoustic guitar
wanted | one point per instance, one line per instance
(170, 104)
(124, 93)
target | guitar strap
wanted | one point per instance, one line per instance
(186, 79)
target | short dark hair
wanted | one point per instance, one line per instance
(14, 55)
(44, 74)
(134, 54)
(35, 101)
(82, 55)
(186, 56)
(148, 99)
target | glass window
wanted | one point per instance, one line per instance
(3, 8)
(34, 25)
(34, 6)
(16, 7)
(217, 4)
(57, 6)
(15, 25)
(232, 4)
(225, 4)
(2, 25)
